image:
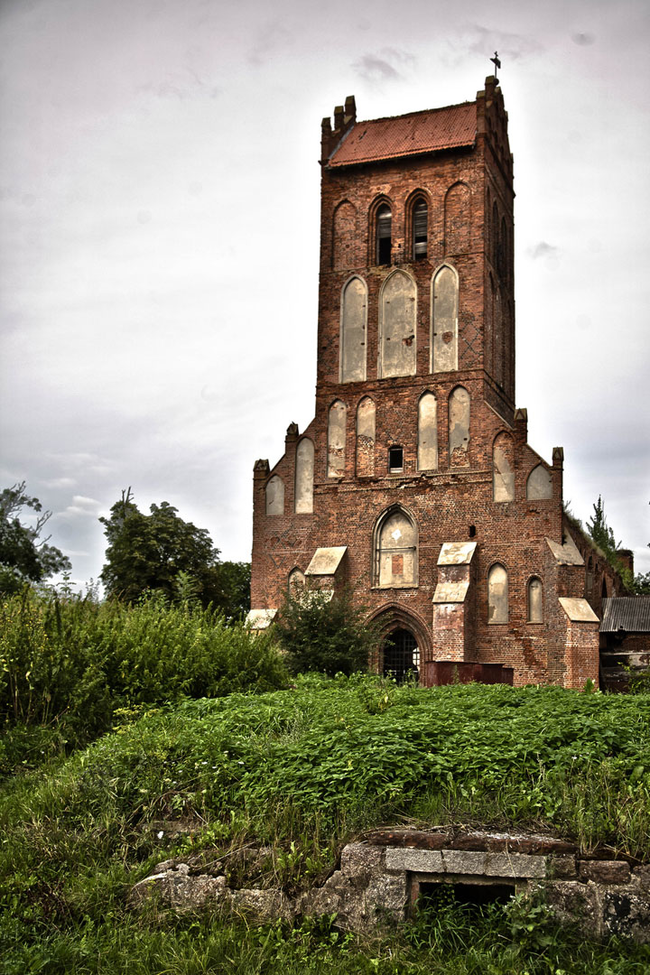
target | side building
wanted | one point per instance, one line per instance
(415, 483)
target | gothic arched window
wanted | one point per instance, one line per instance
(420, 229)
(535, 601)
(497, 594)
(396, 550)
(304, 496)
(383, 234)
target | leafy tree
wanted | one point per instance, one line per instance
(602, 534)
(323, 633)
(24, 555)
(160, 551)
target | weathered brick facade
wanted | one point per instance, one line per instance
(416, 467)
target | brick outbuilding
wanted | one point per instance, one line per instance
(415, 482)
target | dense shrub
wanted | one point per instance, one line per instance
(73, 662)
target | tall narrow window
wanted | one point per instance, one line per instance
(304, 496)
(459, 407)
(497, 594)
(397, 325)
(275, 496)
(535, 604)
(503, 468)
(366, 438)
(383, 234)
(336, 439)
(444, 320)
(396, 551)
(427, 433)
(354, 313)
(419, 230)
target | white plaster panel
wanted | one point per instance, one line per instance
(503, 474)
(275, 496)
(336, 439)
(397, 326)
(427, 433)
(459, 407)
(304, 503)
(354, 313)
(445, 321)
(539, 486)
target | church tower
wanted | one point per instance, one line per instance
(415, 483)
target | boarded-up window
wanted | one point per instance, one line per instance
(503, 468)
(354, 313)
(458, 427)
(397, 326)
(304, 498)
(539, 486)
(444, 320)
(396, 551)
(336, 439)
(366, 438)
(420, 220)
(275, 496)
(535, 601)
(497, 594)
(345, 236)
(427, 433)
(457, 219)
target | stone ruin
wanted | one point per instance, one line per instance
(381, 879)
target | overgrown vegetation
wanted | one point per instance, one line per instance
(25, 555)
(325, 632)
(603, 536)
(301, 771)
(68, 666)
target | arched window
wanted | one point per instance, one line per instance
(497, 594)
(397, 325)
(503, 468)
(336, 439)
(354, 315)
(457, 219)
(275, 496)
(459, 406)
(427, 433)
(420, 229)
(383, 234)
(366, 438)
(396, 550)
(444, 320)
(539, 486)
(296, 581)
(344, 236)
(535, 600)
(304, 496)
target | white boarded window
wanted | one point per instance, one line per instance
(366, 438)
(304, 498)
(354, 313)
(396, 551)
(397, 326)
(336, 439)
(427, 433)
(539, 486)
(444, 320)
(459, 407)
(275, 496)
(497, 594)
(503, 468)
(535, 600)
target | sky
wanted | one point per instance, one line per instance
(159, 183)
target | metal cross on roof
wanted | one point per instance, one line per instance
(497, 64)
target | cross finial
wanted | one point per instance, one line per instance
(497, 64)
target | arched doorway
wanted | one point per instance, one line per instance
(401, 656)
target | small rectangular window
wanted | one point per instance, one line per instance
(395, 459)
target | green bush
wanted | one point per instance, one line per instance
(72, 662)
(324, 632)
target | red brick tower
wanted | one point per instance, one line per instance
(415, 481)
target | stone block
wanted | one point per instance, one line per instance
(561, 868)
(573, 901)
(605, 871)
(360, 860)
(482, 864)
(626, 915)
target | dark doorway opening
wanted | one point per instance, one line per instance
(401, 656)
(464, 895)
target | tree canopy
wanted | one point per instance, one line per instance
(24, 555)
(161, 551)
(601, 533)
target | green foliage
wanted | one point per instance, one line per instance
(325, 633)
(298, 771)
(160, 552)
(600, 532)
(71, 663)
(24, 555)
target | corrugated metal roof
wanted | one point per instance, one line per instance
(630, 613)
(407, 135)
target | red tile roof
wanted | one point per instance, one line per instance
(407, 135)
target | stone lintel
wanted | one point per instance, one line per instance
(515, 865)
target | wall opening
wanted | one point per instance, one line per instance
(395, 459)
(383, 232)
(401, 655)
(436, 895)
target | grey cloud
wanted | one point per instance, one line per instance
(584, 39)
(514, 47)
(543, 249)
(375, 67)
(271, 36)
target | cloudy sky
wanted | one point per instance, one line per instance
(159, 183)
